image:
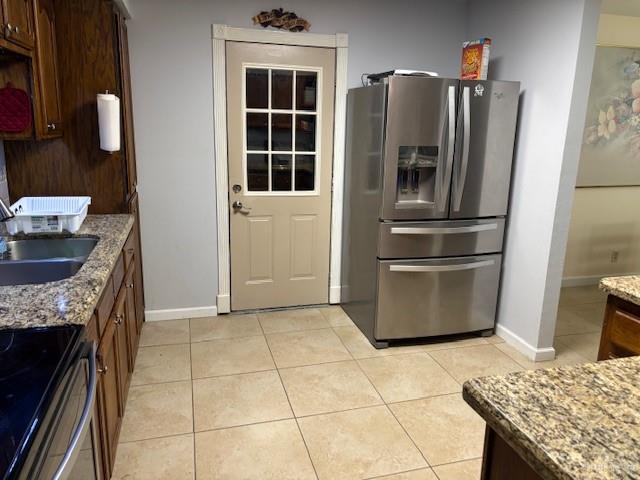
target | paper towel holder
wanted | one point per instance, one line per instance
(108, 106)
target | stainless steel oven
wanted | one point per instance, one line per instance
(68, 445)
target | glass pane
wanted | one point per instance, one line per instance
(281, 131)
(281, 173)
(305, 133)
(257, 131)
(257, 87)
(257, 172)
(305, 172)
(306, 87)
(282, 89)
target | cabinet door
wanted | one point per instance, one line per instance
(126, 102)
(138, 280)
(48, 119)
(109, 397)
(18, 22)
(620, 331)
(120, 320)
(133, 335)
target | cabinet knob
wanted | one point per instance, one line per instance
(51, 126)
(9, 28)
(130, 285)
(118, 319)
(103, 370)
(16, 29)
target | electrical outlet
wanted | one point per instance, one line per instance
(614, 256)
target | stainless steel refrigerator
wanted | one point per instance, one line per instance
(427, 179)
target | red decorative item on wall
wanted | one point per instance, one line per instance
(15, 109)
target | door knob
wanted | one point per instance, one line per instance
(239, 207)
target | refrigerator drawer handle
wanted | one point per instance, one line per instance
(443, 230)
(440, 268)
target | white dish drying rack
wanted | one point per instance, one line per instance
(48, 214)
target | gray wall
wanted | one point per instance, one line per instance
(171, 64)
(549, 46)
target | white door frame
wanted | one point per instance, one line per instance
(221, 34)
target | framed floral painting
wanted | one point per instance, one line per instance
(611, 146)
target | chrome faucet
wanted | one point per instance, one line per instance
(5, 212)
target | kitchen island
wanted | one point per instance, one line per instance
(580, 422)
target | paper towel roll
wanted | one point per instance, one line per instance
(109, 121)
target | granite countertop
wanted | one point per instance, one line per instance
(72, 300)
(627, 288)
(579, 422)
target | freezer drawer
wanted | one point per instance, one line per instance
(421, 298)
(440, 239)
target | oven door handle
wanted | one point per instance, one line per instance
(70, 456)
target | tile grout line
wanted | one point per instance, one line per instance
(304, 442)
(331, 412)
(386, 405)
(193, 407)
(443, 367)
(386, 475)
(159, 437)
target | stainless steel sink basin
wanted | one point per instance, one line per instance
(43, 260)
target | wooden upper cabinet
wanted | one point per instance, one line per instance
(48, 115)
(126, 103)
(18, 22)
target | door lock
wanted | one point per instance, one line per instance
(239, 207)
(236, 188)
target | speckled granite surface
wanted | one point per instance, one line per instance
(71, 300)
(578, 422)
(627, 287)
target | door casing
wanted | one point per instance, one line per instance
(221, 34)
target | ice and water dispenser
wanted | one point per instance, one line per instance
(416, 184)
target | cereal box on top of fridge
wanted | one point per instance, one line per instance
(475, 59)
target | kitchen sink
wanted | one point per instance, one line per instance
(43, 260)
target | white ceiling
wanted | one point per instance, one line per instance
(621, 7)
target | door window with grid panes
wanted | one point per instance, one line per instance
(281, 120)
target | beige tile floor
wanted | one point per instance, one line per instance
(302, 394)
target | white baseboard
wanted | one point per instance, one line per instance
(334, 295)
(180, 313)
(589, 280)
(224, 303)
(531, 352)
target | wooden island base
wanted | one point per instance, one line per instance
(501, 462)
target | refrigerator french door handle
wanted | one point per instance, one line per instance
(450, 139)
(466, 135)
(440, 268)
(443, 230)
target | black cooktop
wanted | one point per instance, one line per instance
(32, 363)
